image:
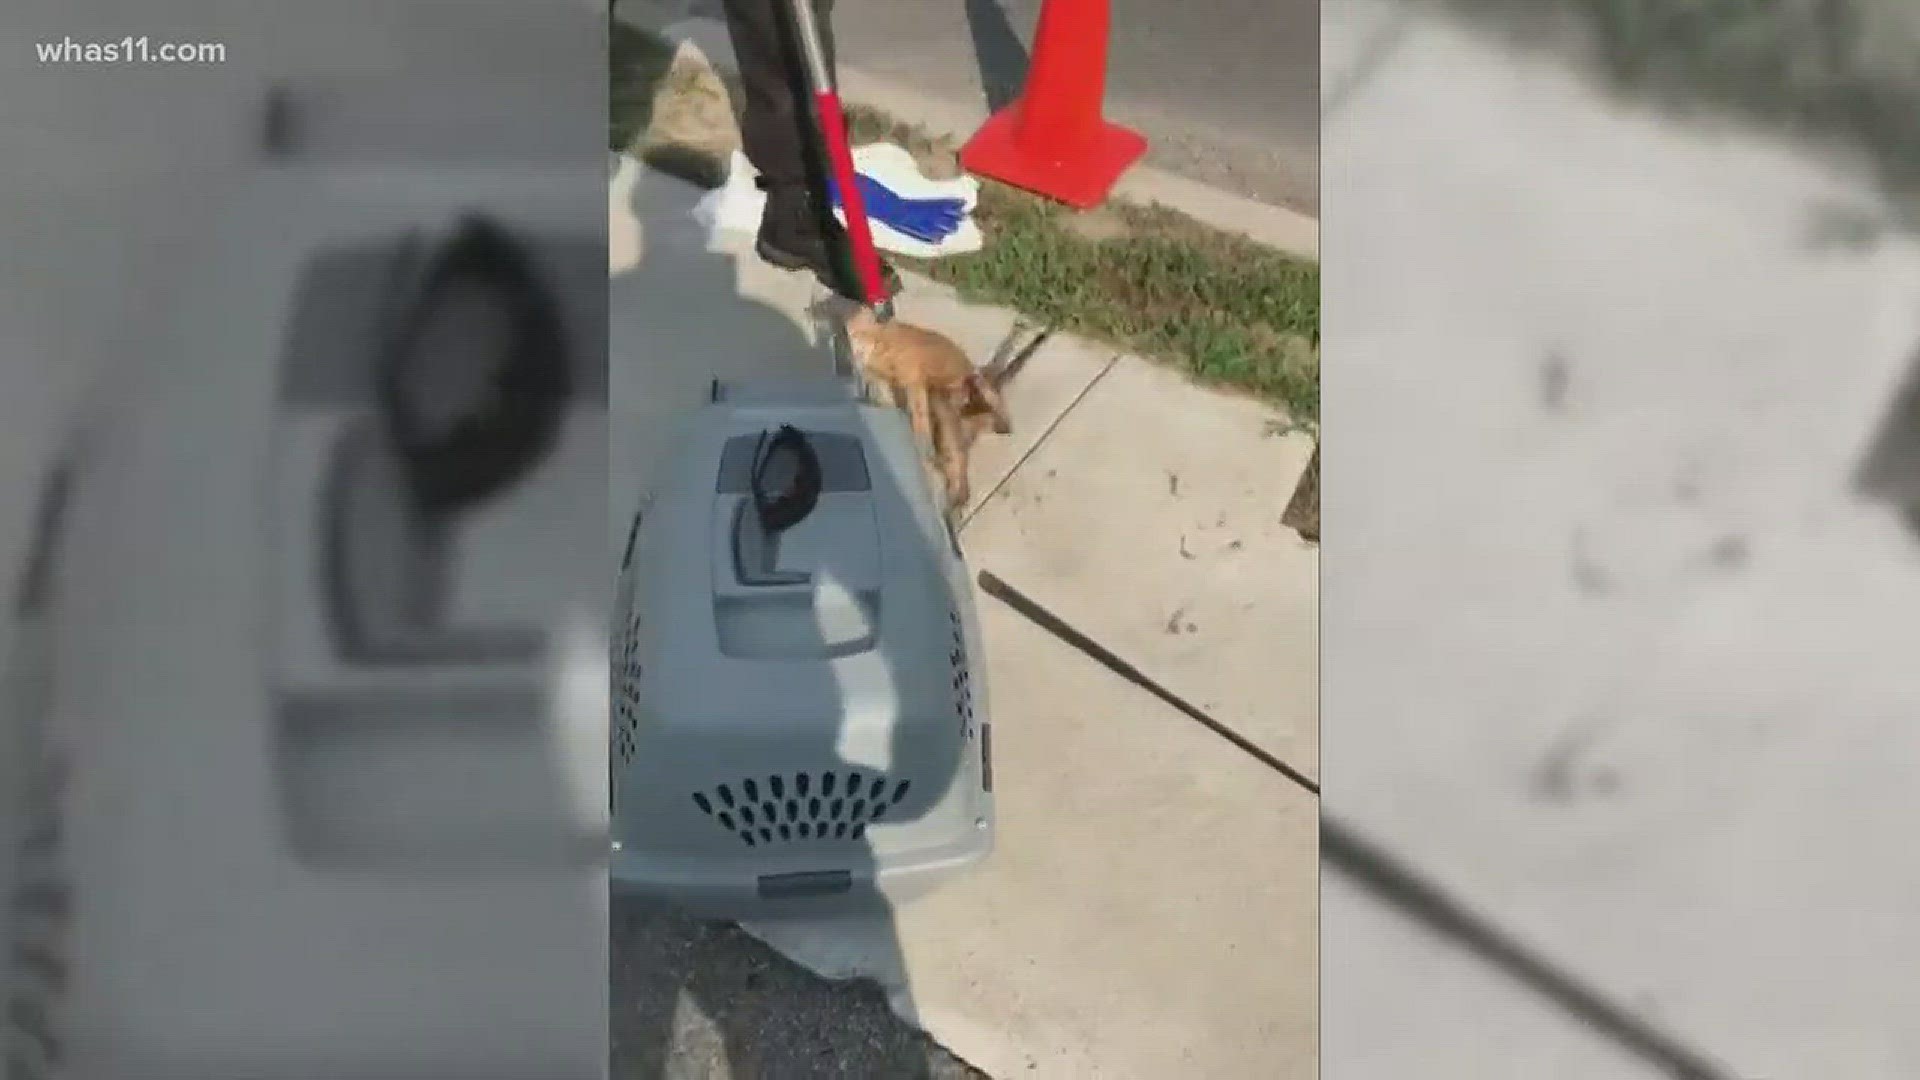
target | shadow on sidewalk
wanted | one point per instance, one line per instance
(1891, 472)
(998, 50)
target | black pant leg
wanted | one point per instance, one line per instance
(778, 131)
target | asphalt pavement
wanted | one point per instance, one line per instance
(708, 1001)
(1226, 91)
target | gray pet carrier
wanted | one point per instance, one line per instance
(799, 712)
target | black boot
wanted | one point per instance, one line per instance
(797, 233)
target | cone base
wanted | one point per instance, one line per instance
(1080, 177)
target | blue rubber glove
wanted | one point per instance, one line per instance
(927, 220)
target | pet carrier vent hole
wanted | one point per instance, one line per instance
(802, 805)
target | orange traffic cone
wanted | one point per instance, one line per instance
(1054, 140)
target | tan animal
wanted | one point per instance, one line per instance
(949, 402)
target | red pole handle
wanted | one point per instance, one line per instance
(833, 129)
(866, 257)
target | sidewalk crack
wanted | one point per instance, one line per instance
(1039, 442)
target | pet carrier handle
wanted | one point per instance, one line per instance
(833, 131)
(789, 505)
(447, 468)
(764, 514)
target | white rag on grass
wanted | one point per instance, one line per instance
(735, 206)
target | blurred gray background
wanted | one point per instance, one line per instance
(1622, 309)
(162, 919)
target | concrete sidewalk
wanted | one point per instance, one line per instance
(1146, 512)
(1151, 910)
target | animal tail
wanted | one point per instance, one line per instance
(1011, 356)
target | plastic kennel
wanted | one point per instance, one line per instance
(799, 719)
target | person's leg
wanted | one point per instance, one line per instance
(797, 229)
(776, 127)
